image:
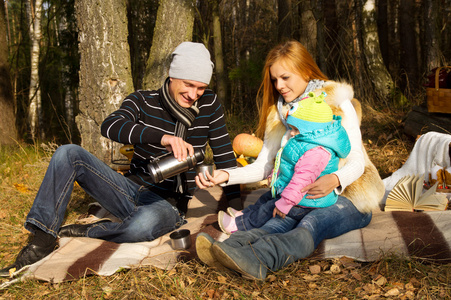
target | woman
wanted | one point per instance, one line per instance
(289, 74)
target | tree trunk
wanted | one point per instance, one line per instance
(174, 25)
(409, 62)
(141, 22)
(105, 72)
(317, 9)
(383, 29)
(431, 35)
(35, 92)
(376, 69)
(308, 29)
(8, 132)
(285, 19)
(221, 75)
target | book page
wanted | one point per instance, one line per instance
(397, 193)
(407, 188)
(435, 202)
(399, 197)
(407, 195)
(417, 189)
(431, 200)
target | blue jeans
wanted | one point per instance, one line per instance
(259, 215)
(278, 250)
(144, 215)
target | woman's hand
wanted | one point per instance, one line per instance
(219, 176)
(178, 146)
(277, 212)
(322, 186)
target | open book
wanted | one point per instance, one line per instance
(408, 195)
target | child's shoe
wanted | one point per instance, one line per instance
(226, 223)
(233, 212)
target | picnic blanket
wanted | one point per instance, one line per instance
(425, 235)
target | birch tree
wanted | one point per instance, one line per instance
(381, 79)
(35, 92)
(105, 72)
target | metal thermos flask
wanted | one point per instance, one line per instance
(167, 165)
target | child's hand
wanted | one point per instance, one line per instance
(278, 213)
(269, 178)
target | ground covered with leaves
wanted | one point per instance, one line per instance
(22, 169)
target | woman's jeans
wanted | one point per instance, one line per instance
(144, 215)
(278, 250)
(260, 215)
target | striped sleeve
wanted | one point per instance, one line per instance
(124, 124)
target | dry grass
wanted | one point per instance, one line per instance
(22, 170)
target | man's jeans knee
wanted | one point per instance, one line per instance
(117, 194)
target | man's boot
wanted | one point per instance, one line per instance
(41, 245)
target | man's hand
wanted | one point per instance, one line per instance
(322, 186)
(178, 146)
(277, 212)
(219, 176)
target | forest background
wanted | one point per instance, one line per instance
(65, 65)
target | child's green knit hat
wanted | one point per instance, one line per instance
(311, 113)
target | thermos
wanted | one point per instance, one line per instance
(167, 165)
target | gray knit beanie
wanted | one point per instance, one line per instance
(191, 61)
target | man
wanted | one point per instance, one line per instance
(181, 116)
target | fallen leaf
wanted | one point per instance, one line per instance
(381, 281)
(315, 269)
(312, 285)
(392, 292)
(335, 269)
(211, 293)
(222, 279)
(311, 277)
(356, 276)
(271, 278)
(21, 188)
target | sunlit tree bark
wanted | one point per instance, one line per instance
(35, 91)
(174, 24)
(105, 72)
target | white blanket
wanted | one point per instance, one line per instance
(430, 149)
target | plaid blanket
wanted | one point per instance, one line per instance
(426, 235)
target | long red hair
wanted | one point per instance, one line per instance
(296, 59)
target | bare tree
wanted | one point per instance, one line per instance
(175, 21)
(105, 72)
(8, 132)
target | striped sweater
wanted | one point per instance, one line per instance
(142, 121)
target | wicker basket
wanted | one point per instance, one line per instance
(439, 99)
